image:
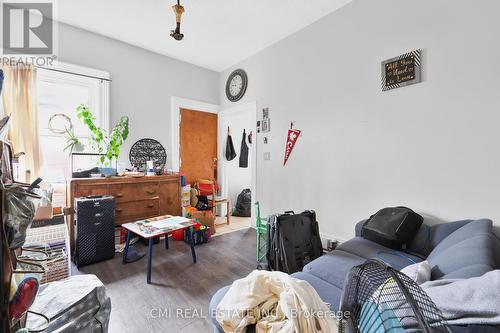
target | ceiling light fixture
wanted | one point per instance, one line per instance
(178, 10)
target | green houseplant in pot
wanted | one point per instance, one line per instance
(102, 142)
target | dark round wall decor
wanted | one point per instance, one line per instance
(236, 85)
(147, 150)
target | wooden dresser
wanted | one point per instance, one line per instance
(136, 198)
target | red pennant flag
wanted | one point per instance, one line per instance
(293, 136)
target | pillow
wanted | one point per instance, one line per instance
(419, 272)
(468, 250)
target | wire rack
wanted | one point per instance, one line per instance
(378, 298)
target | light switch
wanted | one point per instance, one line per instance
(267, 156)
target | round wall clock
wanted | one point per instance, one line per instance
(147, 150)
(236, 85)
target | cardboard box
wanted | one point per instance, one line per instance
(44, 213)
(205, 217)
(186, 196)
(186, 191)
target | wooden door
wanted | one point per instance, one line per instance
(198, 145)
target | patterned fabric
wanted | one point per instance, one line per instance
(77, 304)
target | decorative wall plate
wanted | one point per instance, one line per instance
(147, 150)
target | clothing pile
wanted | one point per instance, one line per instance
(274, 302)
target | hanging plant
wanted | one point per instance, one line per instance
(108, 144)
(72, 141)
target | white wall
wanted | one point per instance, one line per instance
(143, 82)
(433, 146)
(236, 179)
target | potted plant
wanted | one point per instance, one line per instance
(102, 142)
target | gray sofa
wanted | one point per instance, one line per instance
(460, 249)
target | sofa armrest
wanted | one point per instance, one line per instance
(358, 227)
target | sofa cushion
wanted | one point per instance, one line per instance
(333, 267)
(370, 250)
(465, 253)
(327, 292)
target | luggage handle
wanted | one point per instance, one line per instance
(290, 212)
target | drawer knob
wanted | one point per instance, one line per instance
(150, 205)
(119, 195)
(151, 191)
(119, 210)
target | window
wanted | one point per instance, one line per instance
(60, 92)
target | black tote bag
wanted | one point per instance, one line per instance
(230, 152)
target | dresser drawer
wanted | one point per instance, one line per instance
(87, 190)
(137, 209)
(133, 192)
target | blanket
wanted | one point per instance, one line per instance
(276, 303)
(467, 301)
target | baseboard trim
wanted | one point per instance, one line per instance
(332, 237)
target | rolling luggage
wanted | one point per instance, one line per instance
(95, 229)
(293, 241)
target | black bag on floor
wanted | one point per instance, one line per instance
(392, 227)
(293, 241)
(243, 206)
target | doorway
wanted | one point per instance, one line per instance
(222, 116)
(198, 145)
(241, 121)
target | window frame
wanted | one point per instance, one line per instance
(97, 81)
(81, 75)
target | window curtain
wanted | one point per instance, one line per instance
(20, 102)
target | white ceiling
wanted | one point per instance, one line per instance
(218, 33)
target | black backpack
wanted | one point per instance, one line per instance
(392, 227)
(293, 241)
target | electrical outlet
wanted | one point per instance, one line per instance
(267, 156)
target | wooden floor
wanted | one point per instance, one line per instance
(178, 299)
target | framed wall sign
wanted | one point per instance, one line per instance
(266, 125)
(402, 71)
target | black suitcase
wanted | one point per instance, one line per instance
(293, 241)
(95, 229)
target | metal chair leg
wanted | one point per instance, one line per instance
(258, 244)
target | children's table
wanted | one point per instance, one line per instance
(157, 227)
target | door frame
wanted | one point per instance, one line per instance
(176, 104)
(250, 107)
